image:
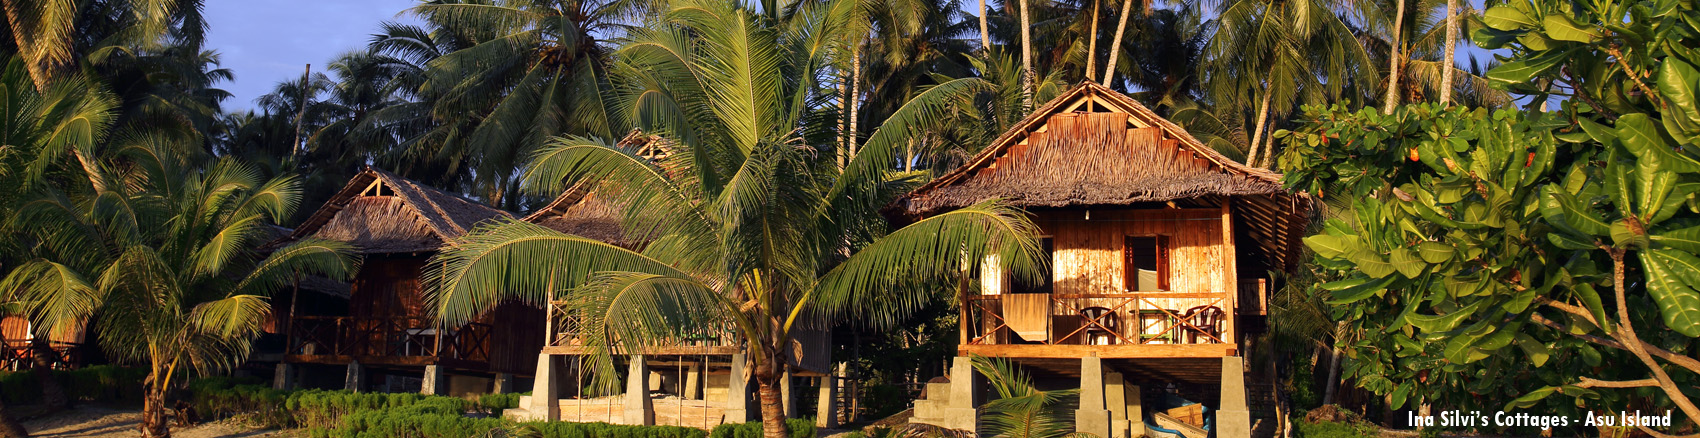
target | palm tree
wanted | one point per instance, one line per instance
(1448, 65)
(1282, 52)
(747, 227)
(1027, 74)
(1022, 410)
(1394, 51)
(49, 135)
(526, 70)
(163, 253)
(1418, 57)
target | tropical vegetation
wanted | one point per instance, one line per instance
(1480, 209)
(1507, 255)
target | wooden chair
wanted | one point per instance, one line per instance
(1206, 324)
(1110, 322)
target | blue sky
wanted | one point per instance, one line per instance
(269, 41)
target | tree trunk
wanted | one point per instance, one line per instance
(52, 395)
(772, 408)
(855, 102)
(9, 427)
(1116, 44)
(1027, 76)
(1262, 119)
(1451, 46)
(843, 119)
(985, 31)
(1333, 368)
(153, 412)
(1092, 44)
(1393, 54)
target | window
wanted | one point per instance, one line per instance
(1043, 286)
(1147, 262)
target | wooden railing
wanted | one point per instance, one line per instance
(1127, 318)
(20, 354)
(387, 336)
(566, 329)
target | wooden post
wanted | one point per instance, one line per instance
(1230, 272)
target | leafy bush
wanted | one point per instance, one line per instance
(343, 414)
(99, 384)
(494, 404)
(800, 428)
(223, 397)
(1337, 429)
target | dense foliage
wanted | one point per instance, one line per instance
(97, 384)
(1512, 256)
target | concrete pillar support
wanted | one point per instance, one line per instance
(283, 377)
(1233, 418)
(639, 408)
(1115, 399)
(693, 382)
(738, 393)
(1135, 410)
(785, 398)
(826, 406)
(542, 405)
(502, 384)
(435, 382)
(961, 411)
(1092, 417)
(355, 381)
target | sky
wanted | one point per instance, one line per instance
(269, 41)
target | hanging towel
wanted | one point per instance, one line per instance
(1027, 315)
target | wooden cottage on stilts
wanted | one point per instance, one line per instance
(700, 381)
(1160, 251)
(385, 338)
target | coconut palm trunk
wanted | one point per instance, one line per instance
(1393, 55)
(52, 394)
(1451, 46)
(985, 31)
(1027, 75)
(1262, 120)
(1116, 44)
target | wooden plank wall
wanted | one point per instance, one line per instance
(1089, 260)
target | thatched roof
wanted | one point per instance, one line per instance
(379, 212)
(581, 212)
(1094, 146)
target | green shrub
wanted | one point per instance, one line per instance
(97, 384)
(604, 430)
(800, 428)
(494, 404)
(1337, 429)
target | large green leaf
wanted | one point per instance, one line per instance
(1641, 136)
(1327, 246)
(1677, 81)
(1371, 263)
(1406, 262)
(1685, 239)
(1518, 72)
(1435, 252)
(1361, 290)
(1670, 277)
(1507, 18)
(1562, 28)
(1559, 207)
(1441, 323)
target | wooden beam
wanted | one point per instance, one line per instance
(573, 350)
(1103, 351)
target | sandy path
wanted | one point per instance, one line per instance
(97, 422)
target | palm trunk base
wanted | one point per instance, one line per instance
(772, 412)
